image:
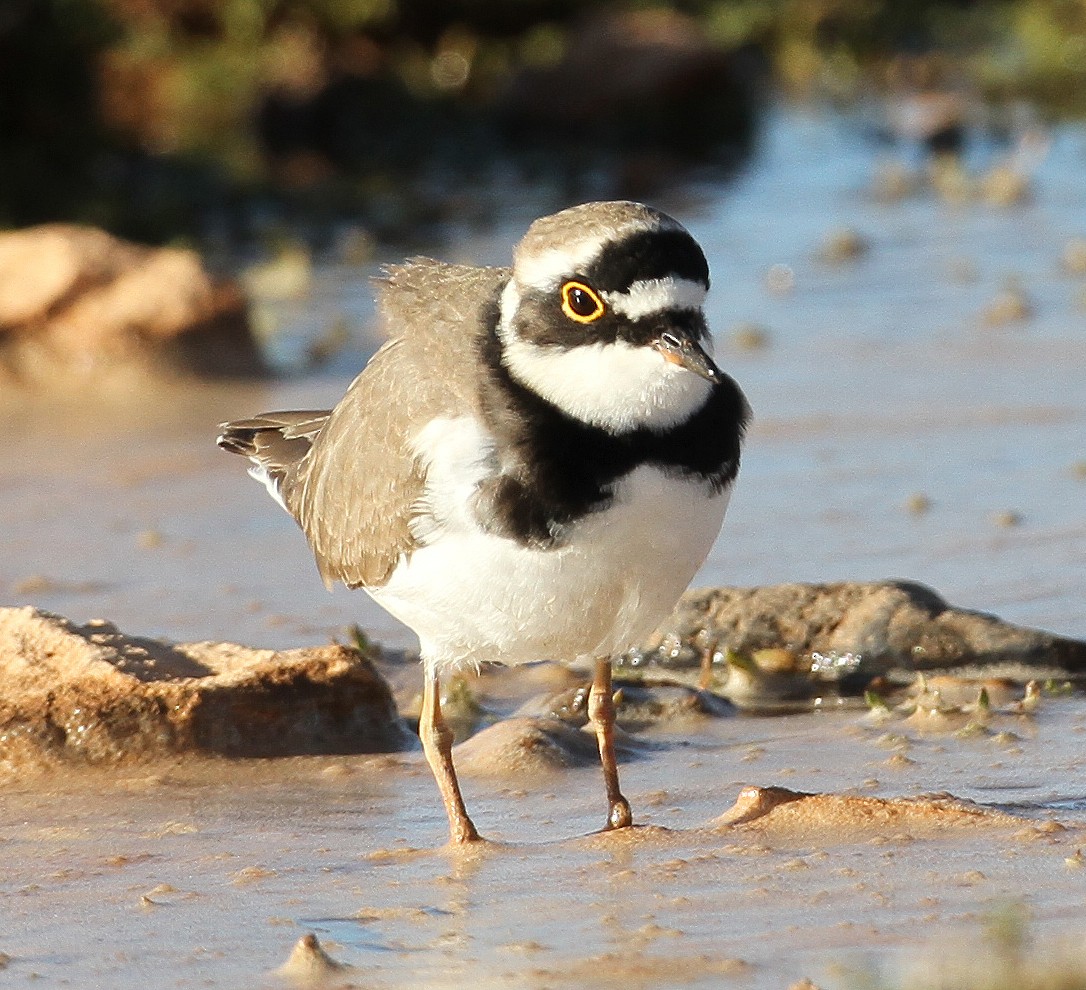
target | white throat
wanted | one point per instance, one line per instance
(618, 387)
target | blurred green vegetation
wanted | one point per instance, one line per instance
(149, 116)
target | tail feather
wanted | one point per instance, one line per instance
(276, 443)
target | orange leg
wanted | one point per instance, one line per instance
(436, 739)
(705, 675)
(601, 711)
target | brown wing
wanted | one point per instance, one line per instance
(360, 481)
(277, 443)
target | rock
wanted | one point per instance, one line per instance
(849, 633)
(1000, 692)
(520, 745)
(918, 504)
(309, 964)
(1074, 256)
(1010, 305)
(92, 694)
(638, 706)
(76, 300)
(840, 818)
(892, 182)
(1005, 184)
(966, 707)
(750, 338)
(843, 245)
(642, 706)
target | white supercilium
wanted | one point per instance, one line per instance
(656, 295)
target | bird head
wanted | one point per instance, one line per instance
(603, 317)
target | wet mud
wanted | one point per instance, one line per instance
(766, 851)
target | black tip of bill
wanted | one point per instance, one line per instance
(687, 353)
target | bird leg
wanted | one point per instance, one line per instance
(437, 740)
(705, 673)
(601, 711)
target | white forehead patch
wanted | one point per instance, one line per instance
(655, 296)
(547, 270)
(617, 387)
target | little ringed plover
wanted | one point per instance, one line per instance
(532, 467)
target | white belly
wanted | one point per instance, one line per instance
(473, 597)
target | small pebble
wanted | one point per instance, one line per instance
(775, 660)
(1005, 185)
(950, 180)
(1007, 519)
(892, 182)
(1011, 305)
(251, 874)
(150, 539)
(917, 504)
(309, 963)
(750, 337)
(35, 584)
(843, 245)
(970, 878)
(1074, 256)
(1008, 740)
(780, 279)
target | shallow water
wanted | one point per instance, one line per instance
(880, 381)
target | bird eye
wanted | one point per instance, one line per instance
(581, 303)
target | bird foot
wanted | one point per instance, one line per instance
(619, 815)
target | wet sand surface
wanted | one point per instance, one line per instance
(206, 873)
(881, 382)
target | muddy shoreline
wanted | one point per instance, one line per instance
(827, 845)
(208, 871)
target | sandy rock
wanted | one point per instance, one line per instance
(1000, 692)
(309, 964)
(638, 706)
(1006, 184)
(848, 817)
(76, 300)
(1010, 305)
(843, 245)
(522, 745)
(1073, 257)
(851, 632)
(92, 694)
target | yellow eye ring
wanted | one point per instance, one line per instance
(581, 303)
